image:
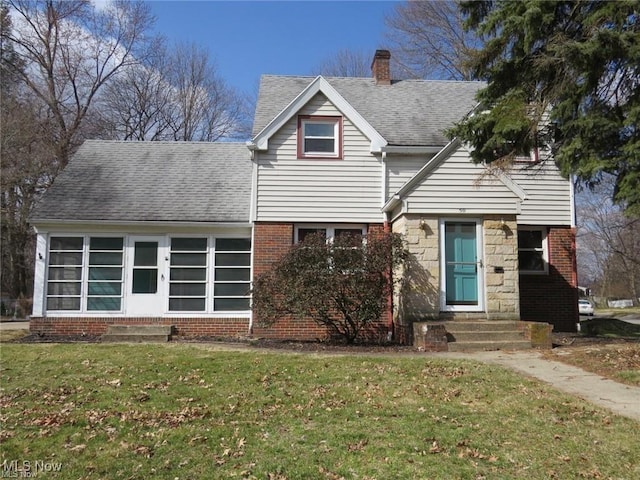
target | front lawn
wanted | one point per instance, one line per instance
(188, 411)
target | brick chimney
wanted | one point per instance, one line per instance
(380, 67)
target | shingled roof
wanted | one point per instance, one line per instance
(407, 112)
(151, 182)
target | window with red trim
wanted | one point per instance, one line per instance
(319, 137)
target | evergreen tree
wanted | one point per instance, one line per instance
(572, 66)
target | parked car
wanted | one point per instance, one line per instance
(585, 307)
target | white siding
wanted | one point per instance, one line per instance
(309, 190)
(548, 194)
(457, 186)
(401, 168)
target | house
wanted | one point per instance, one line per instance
(173, 233)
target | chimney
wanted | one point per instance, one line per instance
(380, 67)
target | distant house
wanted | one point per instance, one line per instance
(173, 233)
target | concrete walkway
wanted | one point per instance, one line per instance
(14, 325)
(617, 397)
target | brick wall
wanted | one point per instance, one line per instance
(271, 241)
(188, 327)
(553, 298)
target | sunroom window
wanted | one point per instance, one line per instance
(232, 275)
(72, 288)
(188, 276)
(64, 278)
(532, 251)
(104, 284)
(319, 137)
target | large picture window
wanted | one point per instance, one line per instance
(532, 251)
(319, 137)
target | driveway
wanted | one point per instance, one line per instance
(631, 318)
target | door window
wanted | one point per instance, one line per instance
(145, 267)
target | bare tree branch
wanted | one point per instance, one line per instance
(428, 40)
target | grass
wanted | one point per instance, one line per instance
(187, 411)
(12, 335)
(609, 327)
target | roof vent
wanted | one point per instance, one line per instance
(380, 67)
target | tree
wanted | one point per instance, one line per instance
(572, 66)
(176, 94)
(344, 285)
(69, 50)
(56, 57)
(24, 156)
(429, 40)
(346, 63)
(608, 245)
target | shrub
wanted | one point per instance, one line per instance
(345, 284)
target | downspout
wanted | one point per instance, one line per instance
(252, 219)
(574, 250)
(389, 309)
(387, 230)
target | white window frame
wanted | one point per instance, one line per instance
(83, 274)
(214, 267)
(304, 120)
(87, 280)
(84, 280)
(207, 280)
(544, 249)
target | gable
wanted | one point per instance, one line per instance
(449, 183)
(291, 188)
(319, 85)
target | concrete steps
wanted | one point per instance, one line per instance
(138, 333)
(471, 335)
(474, 335)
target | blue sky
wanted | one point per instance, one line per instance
(248, 38)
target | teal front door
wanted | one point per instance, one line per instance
(462, 264)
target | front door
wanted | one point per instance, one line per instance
(462, 282)
(145, 276)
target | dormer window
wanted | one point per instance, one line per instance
(319, 137)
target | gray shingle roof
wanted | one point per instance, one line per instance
(151, 181)
(407, 112)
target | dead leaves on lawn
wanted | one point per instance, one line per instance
(619, 362)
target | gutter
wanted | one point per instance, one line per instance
(411, 150)
(138, 223)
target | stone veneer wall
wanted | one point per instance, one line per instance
(501, 267)
(419, 298)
